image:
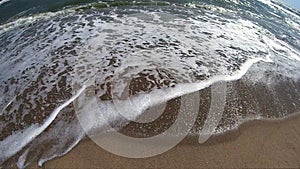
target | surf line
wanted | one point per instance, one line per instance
(11, 146)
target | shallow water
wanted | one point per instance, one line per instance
(84, 57)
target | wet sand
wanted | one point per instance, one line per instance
(255, 144)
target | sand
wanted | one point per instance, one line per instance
(255, 144)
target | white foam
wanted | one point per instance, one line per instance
(15, 142)
(30, 19)
(278, 7)
(95, 115)
(3, 1)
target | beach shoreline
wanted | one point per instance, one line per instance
(149, 69)
(255, 144)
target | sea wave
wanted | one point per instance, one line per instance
(50, 60)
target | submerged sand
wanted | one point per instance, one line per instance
(255, 144)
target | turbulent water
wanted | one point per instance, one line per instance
(55, 60)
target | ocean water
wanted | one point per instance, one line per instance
(60, 58)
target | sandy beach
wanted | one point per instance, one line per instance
(255, 144)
